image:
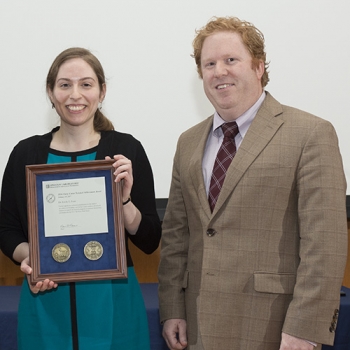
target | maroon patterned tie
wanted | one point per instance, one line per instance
(223, 160)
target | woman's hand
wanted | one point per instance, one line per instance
(123, 171)
(41, 286)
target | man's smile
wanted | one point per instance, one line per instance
(223, 86)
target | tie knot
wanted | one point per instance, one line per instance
(230, 130)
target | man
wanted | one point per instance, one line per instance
(258, 263)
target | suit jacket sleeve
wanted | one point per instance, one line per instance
(174, 249)
(321, 192)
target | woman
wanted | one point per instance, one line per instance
(107, 314)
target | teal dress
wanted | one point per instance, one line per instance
(110, 313)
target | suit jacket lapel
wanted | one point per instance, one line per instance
(259, 134)
(195, 166)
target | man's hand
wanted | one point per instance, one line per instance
(292, 343)
(174, 333)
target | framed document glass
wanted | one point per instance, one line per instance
(75, 222)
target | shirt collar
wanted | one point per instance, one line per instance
(242, 121)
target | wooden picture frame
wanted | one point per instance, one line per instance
(75, 222)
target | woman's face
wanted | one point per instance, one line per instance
(76, 93)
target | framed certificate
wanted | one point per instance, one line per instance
(75, 222)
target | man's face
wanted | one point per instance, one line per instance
(230, 82)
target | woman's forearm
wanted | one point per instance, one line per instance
(21, 252)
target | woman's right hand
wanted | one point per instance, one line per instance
(41, 286)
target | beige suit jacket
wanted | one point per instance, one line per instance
(271, 256)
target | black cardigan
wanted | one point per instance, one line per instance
(34, 150)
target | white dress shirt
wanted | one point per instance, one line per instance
(216, 136)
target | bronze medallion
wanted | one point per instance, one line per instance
(61, 252)
(93, 250)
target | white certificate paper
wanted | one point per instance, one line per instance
(75, 206)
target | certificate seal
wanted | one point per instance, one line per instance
(93, 250)
(61, 252)
(50, 198)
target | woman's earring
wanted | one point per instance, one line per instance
(100, 105)
(53, 105)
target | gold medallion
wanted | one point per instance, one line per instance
(61, 252)
(93, 250)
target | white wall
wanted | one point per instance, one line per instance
(153, 89)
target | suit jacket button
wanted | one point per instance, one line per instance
(211, 232)
(333, 327)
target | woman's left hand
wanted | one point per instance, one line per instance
(123, 171)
